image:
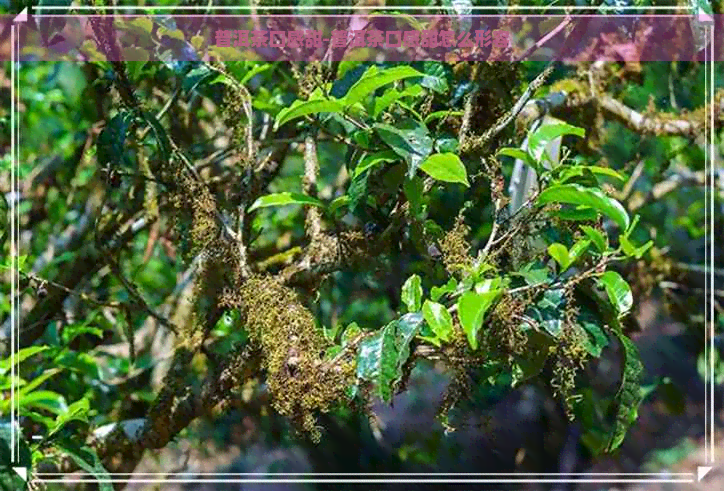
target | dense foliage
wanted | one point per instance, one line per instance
(296, 238)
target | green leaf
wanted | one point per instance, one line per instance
(592, 197)
(599, 240)
(596, 338)
(618, 291)
(357, 191)
(21, 356)
(393, 95)
(373, 160)
(445, 167)
(87, 459)
(381, 356)
(110, 146)
(438, 318)
(438, 291)
(436, 75)
(488, 285)
(564, 257)
(559, 252)
(286, 198)
(578, 249)
(410, 140)
(534, 273)
(72, 331)
(442, 114)
(414, 189)
(338, 203)
(44, 399)
(408, 326)
(549, 311)
(579, 170)
(541, 137)
(374, 78)
(629, 396)
(39, 380)
(472, 308)
(78, 411)
(304, 108)
(350, 333)
(519, 154)
(412, 293)
(631, 250)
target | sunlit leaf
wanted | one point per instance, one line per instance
(374, 78)
(619, 292)
(412, 293)
(300, 109)
(438, 318)
(445, 167)
(591, 197)
(286, 198)
(472, 308)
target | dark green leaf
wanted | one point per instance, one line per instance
(410, 140)
(628, 398)
(357, 191)
(111, 141)
(87, 459)
(436, 75)
(380, 357)
(549, 311)
(414, 189)
(596, 338)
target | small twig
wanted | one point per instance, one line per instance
(139, 300)
(506, 118)
(544, 39)
(311, 171)
(626, 192)
(83, 296)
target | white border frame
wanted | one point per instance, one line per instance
(630, 478)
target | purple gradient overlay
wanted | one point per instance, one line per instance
(364, 37)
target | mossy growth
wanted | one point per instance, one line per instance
(299, 379)
(569, 357)
(456, 248)
(504, 337)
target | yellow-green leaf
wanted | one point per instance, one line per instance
(445, 167)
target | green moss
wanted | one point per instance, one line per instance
(293, 348)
